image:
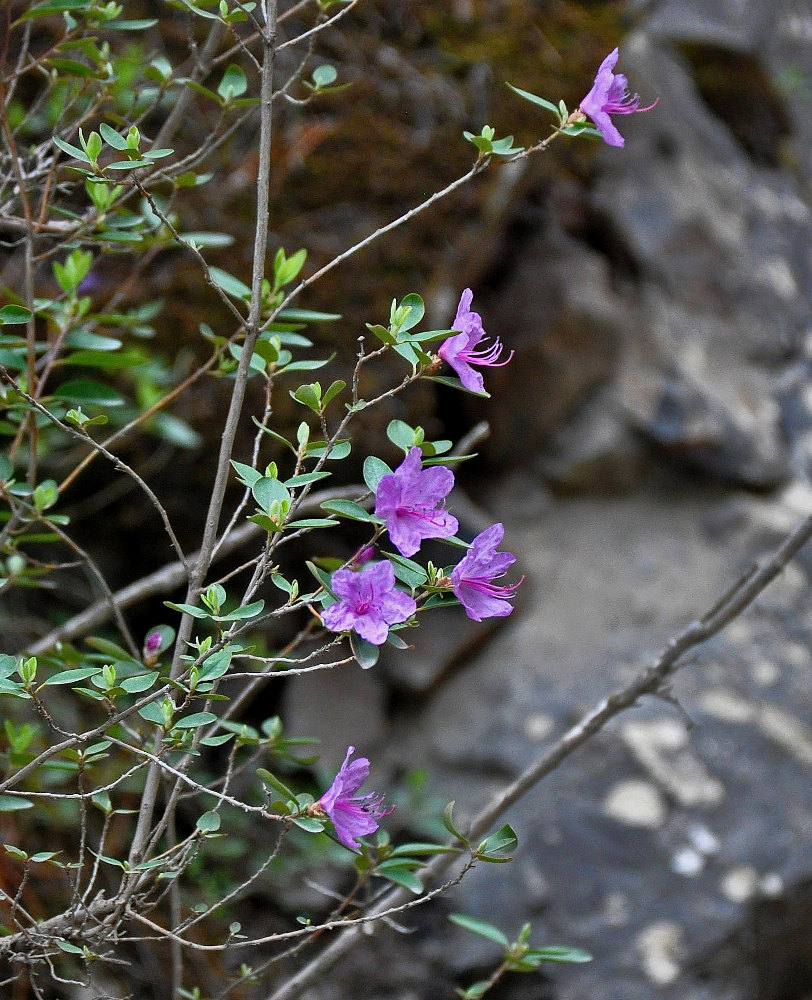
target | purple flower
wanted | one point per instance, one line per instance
(461, 351)
(368, 602)
(352, 815)
(610, 96)
(471, 577)
(153, 642)
(412, 502)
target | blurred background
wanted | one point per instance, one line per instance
(652, 436)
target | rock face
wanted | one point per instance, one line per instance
(664, 359)
(699, 292)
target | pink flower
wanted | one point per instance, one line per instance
(610, 96)
(368, 601)
(461, 350)
(412, 502)
(352, 815)
(471, 577)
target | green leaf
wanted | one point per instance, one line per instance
(85, 390)
(309, 395)
(499, 845)
(11, 803)
(209, 822)
(188, 609)
(69, 946)
(229, 284)
(401, 434)
(374, 471)
(422, 847)
(112, 138)
(348, 509)
(448, 823)
(341, 449)
(248, 475)
(334, 389)
(71, 676)
(74, 151)
(558, 953)
(87, 341)
(312, 522)
(310, 824)
(382, 333)
(416, 308)
(56, 7)
(246, 611)
(152, 713)
(305, 479)
(195, 720)
(323, 76)
(287, 268)
(233, 84)
(273, 782)
(268, 491)
(11, 315)
(481, 927)
(535, 100)
(139, 683)
(402, 876)
(216, 665)
(365, 653)
(307, 316)
(454, 383)
(111, 649)
(408, 571)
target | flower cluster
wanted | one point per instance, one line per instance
(410, 503)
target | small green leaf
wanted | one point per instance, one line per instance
(558, 953)
(209, 822)
(229, 284)
(268, 491)
(11, 315)
(139, 683)
(402, 876)
(195, 720)
(408, 571)
(69, 946)
(535, 100)
(481, 927)
(348, 509)
(233, 84)
(402, 435)
(374, 471)
(323, 76)
(112, 138)
(365, 653)
(499, 845)
(339, 450)
(71, 676)
(86, 391)
(13, 803)
(310, 824)
(246, 611)
(188, 609)
(416, 310)
(273, 782)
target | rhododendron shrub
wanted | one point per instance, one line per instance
(146, 808)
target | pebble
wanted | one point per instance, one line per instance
(636, 803)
